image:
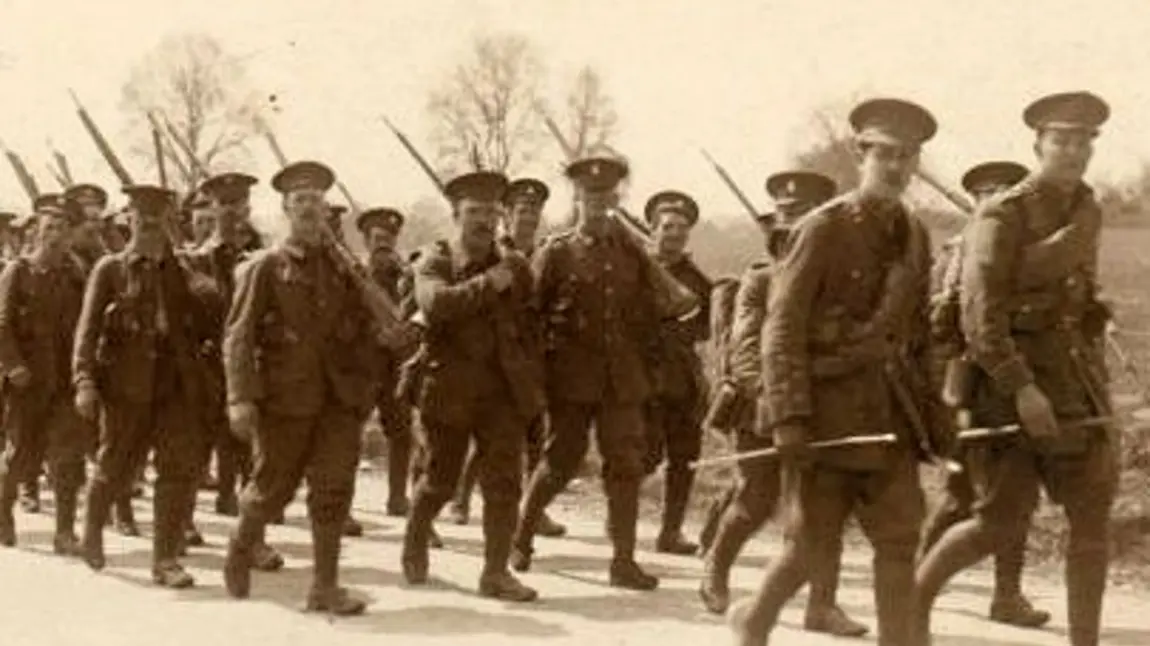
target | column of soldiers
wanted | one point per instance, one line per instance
(845, 332)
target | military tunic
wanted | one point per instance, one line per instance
(39, 307)
(483, 383)
(1030, 316)
(856, 270)
(595, 298)
(292, 346)
(135, 346)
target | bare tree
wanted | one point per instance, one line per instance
(203, 91)
(591, 115)
(486, 106)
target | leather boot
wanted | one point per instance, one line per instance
(1009, 606)
(325, 594)
(238, 562)
(125, 518)
(549, 527)
(753, 619)
(8, 491)
(1086, 565)
(676, 493)
(168, 573)
(734, 529)
(95, 516)
(415, 560)
(398, 472)
(227, 504)
(541, 490)
(832, 620)
(502, 585)
(622, 518)
(264, 557)
(30, 494)
(351, 527)
(65, 542)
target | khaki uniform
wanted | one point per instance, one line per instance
(39, 307)
(1047, 331)
(674, 414)
(135, 344)
(394, 414)
(595, 298)
(482, 383)
(845, 330)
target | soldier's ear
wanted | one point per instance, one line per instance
(858, 150)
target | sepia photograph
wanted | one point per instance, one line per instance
(574, 322)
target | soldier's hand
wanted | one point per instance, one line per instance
(20, 377)
(1036, 413)
(87, 402)
(791, 441)
(243, 418)
(501, 277)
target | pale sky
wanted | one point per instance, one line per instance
(735, 76)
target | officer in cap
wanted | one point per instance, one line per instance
(380, 228)
(136, 359)
(90, 243)
(305, 415)
(1034, 245)
(41, 293)
(755, 494)
(674, 430)
(487, 386)
(596, 299)
(853, 254)
(523, 204)
(983, 181)
(92, 199)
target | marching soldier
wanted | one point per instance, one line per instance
(135, 366)
(1009, 605)
(201, 217)
(795, 193)
(297, 386)
(523, 212)
(1032, 326)
(380, 229)
(596, 296)
(483, 379)
(841, 346)
(40, 299)
(674, 414)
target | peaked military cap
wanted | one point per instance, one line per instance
(892, 121)
(528, 189)
(87, 194)
(387, 218)
(1067, 111)
(228, 186)
(195, 200)
(303, 175)
(993, 175)
(149, 198)
(597, 173)
(46, 200)
(8, 218)
(671, 202)
(789, 187)
(484, 185)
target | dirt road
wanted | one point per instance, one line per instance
(46, 601)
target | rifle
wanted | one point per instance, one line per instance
(65, 172)
(26, 180)
(101, 143)
(730, 182)
(166, 146)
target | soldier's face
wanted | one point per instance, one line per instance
(306, 210)
(381, 239)
(92, 210)
(53, 233)
(148, 224)
(523, 222)
(594, 205)
(885, 169)
(672, 232)
(1064, 154)
(476, 220)
(203, 222)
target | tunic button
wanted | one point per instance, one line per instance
(857, 219)
(1026, 309)
(606, 266)
(856, 274)
(1071, 282)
